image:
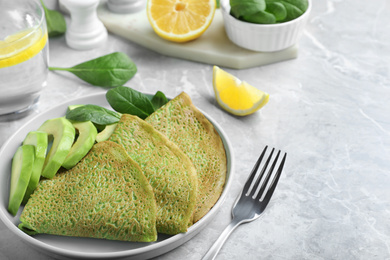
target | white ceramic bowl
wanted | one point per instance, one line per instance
(263, 37)
(90, 248)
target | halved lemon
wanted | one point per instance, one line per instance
(21, 46)
(236, 96)
(180, 20)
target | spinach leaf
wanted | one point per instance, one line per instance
(261, 17)
(96, 114)
(55, 22)
(298, 4)
(129, 101)
(278, 10)
(123, 100)
(111, 70)
(294, 9)
(240, 8)
(159, 99)
(267, 11)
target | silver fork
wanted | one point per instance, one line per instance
(252, 200)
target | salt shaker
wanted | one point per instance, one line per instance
(85, 30)
(126, 6)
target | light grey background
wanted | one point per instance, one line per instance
(329, 109)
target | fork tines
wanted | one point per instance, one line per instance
(257, 183)
(251, 202)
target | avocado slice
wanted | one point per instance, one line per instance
(22, 164)
(106, 133)
(63, 134)
(71, 107)
(39, 141)
(86, 138)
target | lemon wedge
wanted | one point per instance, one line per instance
(21, 46)
(235, 96)
(180, 20)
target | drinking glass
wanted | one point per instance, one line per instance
(23, 55)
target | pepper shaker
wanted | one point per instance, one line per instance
(85, 30)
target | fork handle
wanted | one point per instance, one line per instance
(213, 251)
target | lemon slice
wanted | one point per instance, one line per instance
(180, 20)
(21, 46)
(236, 96)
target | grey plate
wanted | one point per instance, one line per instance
(89, 248)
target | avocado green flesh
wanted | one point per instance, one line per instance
(22, 164)
(71, 107)
(106, 133)
(86, 139)
(40, 142)
(63, 134)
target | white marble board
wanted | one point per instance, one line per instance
(213, 47)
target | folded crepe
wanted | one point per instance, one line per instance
(105, 196)
(169, 171)
(187, 127)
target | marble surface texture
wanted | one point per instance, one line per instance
(328, 110)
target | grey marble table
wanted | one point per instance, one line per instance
(328, 109)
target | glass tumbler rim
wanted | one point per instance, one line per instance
(41, 20)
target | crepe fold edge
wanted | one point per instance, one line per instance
(206, 150)
(169, 171)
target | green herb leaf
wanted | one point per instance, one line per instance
(55, 22)
(159, 99)
(278, 10)
(294, 8)
(261, 17)
(298, 4)
(240, 8)
(129, 101)
(111, 70)
(96, 114)
(267, 11)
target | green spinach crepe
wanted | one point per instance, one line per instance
(169, 171)
(187, 127)
(105, 196)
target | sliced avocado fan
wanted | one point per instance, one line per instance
(40, 141)
(22, 164)
(63, 134)
(86, 138)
